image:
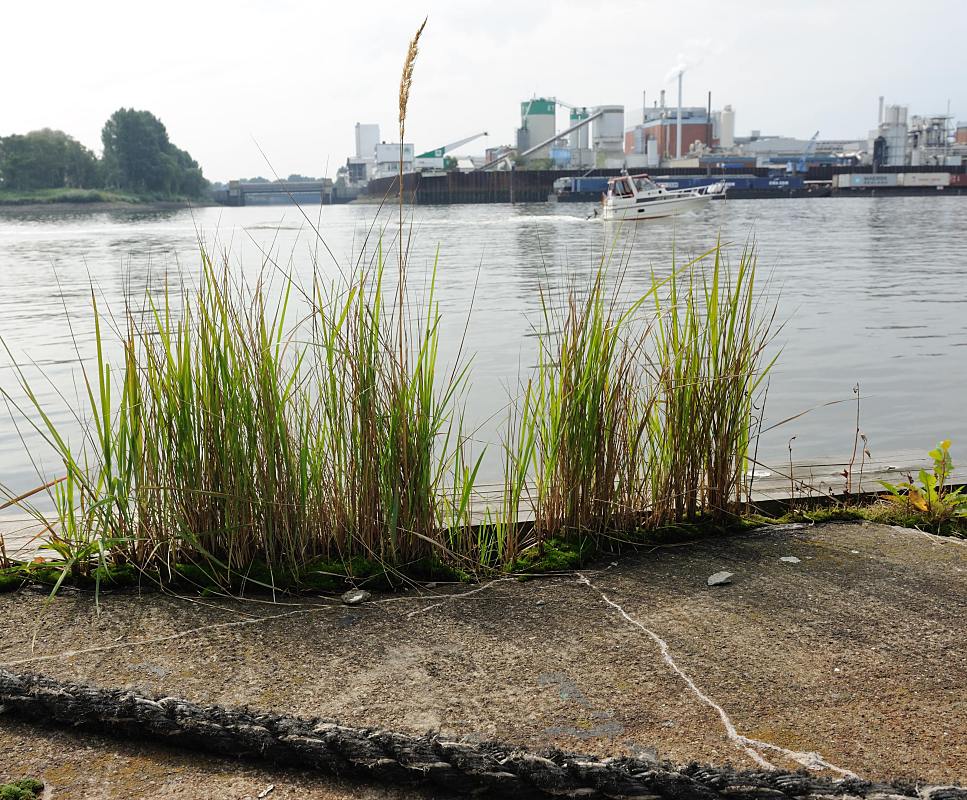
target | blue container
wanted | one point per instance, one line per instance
(589, 184)
(778, 183)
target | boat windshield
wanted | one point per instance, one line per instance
(621, 188)
(643, 184)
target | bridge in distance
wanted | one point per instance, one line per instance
(241, 193)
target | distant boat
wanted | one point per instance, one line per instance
(638, 197)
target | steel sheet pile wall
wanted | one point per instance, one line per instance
(497, 186)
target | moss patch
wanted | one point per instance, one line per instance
(881, 513)
(555, 555)
(24, 789)
(10, 579)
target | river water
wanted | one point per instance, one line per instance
(871, 291)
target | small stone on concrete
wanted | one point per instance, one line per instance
(790, 559)
(720, 579)
(355, 596)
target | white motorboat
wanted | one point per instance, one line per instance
(638, 197)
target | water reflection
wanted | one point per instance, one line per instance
(872, 289)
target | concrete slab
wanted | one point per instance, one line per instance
(853, 660)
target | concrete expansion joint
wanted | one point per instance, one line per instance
(748, 745)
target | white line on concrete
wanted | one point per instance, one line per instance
(932, 536)
(458, 596)
(744, 743)
(156, 639)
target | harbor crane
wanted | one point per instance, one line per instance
(440, 152)
(800, 165)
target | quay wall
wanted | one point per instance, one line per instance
(535, 186)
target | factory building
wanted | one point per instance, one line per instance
(657, 135)
(888, 141)
(901, 140)
(388, 159)
(361, 167)
(599, 142)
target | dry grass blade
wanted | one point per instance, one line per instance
(406, 80)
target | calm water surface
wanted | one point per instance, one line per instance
(872, 290)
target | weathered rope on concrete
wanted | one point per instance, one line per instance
(396, 758)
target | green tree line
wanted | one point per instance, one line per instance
(138, 157)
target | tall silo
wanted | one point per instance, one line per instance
(727, 128)
(608, 136)
(578, 140)
(538, 118)
(894, 131)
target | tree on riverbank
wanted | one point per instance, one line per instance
(47, 159)
(139, 157)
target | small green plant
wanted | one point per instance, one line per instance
(24, 789)
(931, 498)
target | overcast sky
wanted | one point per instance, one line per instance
(293, 77)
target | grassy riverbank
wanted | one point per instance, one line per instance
(73, 199)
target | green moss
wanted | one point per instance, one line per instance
(555, 555)
(123, 575)
(24, 789)
(877, 512)
(812, 515)
(11, 579)
(194, 576)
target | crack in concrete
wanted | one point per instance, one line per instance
(458, 596)
(748, 745)
(315, 609)
(157, 639)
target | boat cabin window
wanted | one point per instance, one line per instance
(645, 184)
(621, 188)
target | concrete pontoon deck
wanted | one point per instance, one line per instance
(840, 648)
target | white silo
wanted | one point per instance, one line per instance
(538, 117)
(894, 132)
(608, 136)
(578, 140)
(367, 137)
(727, 128)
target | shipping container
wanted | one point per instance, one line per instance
(589, 184)
(868, 181)
(958, 179)
(926, 179)
(778, 183)
(686, 181)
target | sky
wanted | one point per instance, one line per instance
(252, 87)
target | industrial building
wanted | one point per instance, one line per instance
(594, 136)
(656, 136)
(388, 159)
(661, 136)
(361, 167)
(900, 140)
